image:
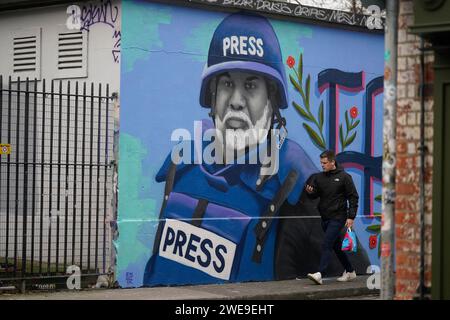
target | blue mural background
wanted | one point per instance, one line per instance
(164, 49)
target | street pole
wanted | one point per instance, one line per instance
(389, 152)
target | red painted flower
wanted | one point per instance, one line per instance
(290, 62)
(354, 112)
(373, 239)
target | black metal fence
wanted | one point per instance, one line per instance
(56, 181)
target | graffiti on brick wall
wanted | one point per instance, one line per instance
(216, 150)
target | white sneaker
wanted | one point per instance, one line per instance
(315, 277)
(347, 276)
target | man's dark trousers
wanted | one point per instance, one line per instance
(332, 241)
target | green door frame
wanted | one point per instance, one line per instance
(441, 178)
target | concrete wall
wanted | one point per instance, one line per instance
(81, 142)
(100, 22)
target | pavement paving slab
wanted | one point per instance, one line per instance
(302, 289)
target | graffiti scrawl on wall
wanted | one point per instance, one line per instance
(102, 12)
(221, 126)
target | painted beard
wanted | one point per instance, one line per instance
(239, 131)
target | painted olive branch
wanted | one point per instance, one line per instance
(316, 136)
(350, 126)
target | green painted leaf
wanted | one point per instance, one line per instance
(378, 198)
(341, 136)
(314, 136)
(307, 85)
(302, 112)
(347, 121)
(321, 115)
(297, 87)
(350, 140)
(295, 83)
(355, 125)
(300, 67)
(376, 228)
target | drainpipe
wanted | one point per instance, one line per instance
(389, 152)
(422, 150)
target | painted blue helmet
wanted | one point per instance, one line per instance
(245, 42)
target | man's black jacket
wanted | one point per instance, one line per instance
(334, 188)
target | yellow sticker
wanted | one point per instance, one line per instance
(5, 148)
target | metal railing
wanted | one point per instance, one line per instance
(56, 177)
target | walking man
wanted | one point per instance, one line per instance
(338, 205)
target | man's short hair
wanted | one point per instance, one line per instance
(329, 154)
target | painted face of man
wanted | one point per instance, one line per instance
(242, 109)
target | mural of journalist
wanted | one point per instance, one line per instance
(219, 219)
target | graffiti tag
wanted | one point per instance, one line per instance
(372, 21)
(129, 278)
(117, 36)
(103, 13)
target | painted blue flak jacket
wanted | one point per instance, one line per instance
(220, 247)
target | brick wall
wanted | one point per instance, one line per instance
(407, 205)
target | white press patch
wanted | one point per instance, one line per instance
(197, 248)
(243, 45)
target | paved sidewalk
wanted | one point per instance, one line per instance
(273, 290)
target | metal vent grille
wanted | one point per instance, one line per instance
(25, 54)
(70, 50)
